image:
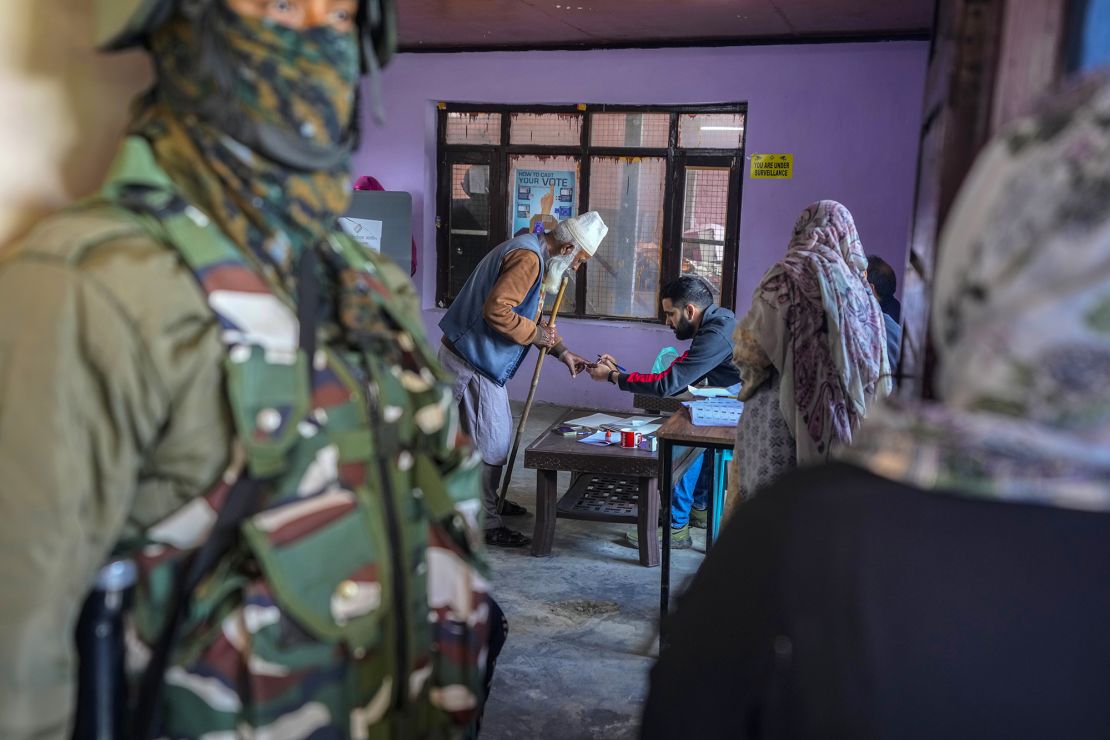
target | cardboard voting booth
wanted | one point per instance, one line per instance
(381, 220)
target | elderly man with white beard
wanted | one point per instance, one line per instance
(487, 332)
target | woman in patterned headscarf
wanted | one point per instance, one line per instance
(951, 580)
(810, 350)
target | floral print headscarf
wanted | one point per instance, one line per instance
(1021, 321)
(816, 321)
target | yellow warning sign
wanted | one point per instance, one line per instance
(774, 166)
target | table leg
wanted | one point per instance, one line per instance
(666, 485)
(543, 536)
(648, 521)
(711, 512)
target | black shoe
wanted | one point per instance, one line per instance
(505, 537)
(512, 508)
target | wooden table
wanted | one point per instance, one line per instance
(551, 452)
(678, 429)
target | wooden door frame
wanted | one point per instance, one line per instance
(989, 61)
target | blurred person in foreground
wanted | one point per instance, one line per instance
(948, 579)
(811, 351)
(203, 379)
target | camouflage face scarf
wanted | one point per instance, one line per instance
(1021, 320)
(300, 82)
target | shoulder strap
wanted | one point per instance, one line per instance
(241, 502)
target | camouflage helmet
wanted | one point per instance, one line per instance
(122, 24)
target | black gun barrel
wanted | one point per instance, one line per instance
(101, 683)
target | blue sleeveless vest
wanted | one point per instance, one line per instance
(494, 355)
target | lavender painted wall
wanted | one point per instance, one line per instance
(850, 114)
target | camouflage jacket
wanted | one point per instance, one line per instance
(353, 605)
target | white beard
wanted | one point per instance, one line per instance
(554, 270)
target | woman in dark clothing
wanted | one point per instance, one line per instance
(949, 579)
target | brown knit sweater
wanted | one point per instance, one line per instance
(519, 271)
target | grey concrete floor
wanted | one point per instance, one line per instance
(582, 622)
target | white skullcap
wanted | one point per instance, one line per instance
(586, 231)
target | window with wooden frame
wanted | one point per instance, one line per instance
(666, 180)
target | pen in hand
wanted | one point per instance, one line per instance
(615, 365)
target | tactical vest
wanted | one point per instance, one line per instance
(352, 603)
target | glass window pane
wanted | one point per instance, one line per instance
(469, 236)
(545, 190)
(630, 129)
(710, 130)
(624, 274)
(473, 128)
(704, 215)
(549, 129)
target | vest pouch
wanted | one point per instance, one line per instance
(247, 663)
(269, 399)
(276, 624)
(286, 637)
(335, 592)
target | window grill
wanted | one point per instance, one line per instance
(545, 129)
(649, 130)
(473, 128)
(666, 179)
(704, 213)
(710, 130)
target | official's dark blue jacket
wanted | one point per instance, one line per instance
(709, 358)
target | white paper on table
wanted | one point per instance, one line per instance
(597, 438)
(648, 428)
(732, 390)
(639, 422)
(595, 421)
(365, 231)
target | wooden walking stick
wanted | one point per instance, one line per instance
(531, 394)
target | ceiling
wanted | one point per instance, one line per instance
(444, 25)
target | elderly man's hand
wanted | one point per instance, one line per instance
(546, 336)
(600, 371)
(574, 363)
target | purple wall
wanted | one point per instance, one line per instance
(850, 114)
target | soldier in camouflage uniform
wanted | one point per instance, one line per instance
(199, 339)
